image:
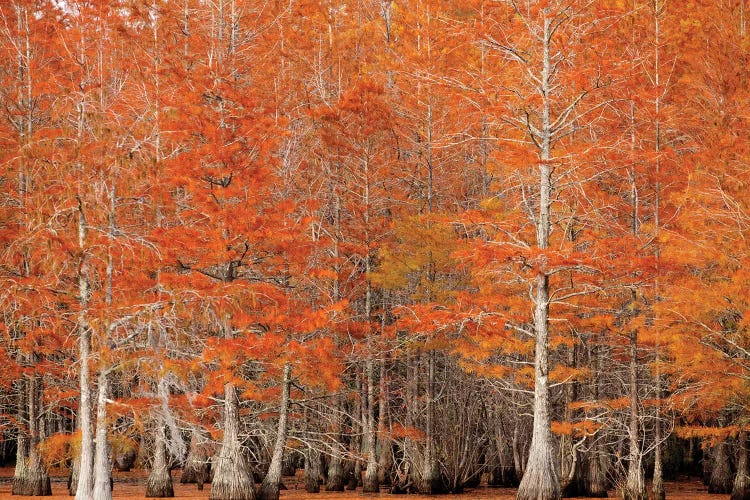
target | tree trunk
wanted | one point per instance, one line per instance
(430, 480)
(232, 480)
(385, 457)
(102, 467)
(518, 464)
(355, 444)
(569, 462)
(741, 487)
(370, 483)
(85, 483)
(540, 481)
(596, 480)
(658, 481)
(336, 477)
(596, 473)
(269, 489)
(34, 480)
(635, 484)
(312, 470)
(196, 464)
(20, 474)
(75, 469)
(721, 473)
(159, 482)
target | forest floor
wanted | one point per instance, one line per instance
(131, 486)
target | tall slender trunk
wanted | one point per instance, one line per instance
(85, 484)
(385, 457)
(596, 480)
(370, 483)
(658, 480)
(518, 463)
(232, 480)
(269, 489)
(430, 483)
(22, 441)
(335, 467)
(102, 465)
(635, 484)
(568, 452)
(540, 479)
(355, 444)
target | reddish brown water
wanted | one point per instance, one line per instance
(131, 486)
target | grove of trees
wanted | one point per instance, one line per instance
(406, 244)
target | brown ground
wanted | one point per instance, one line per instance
(131, 486)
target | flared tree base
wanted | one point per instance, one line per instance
(540, 480)
(159, 485)
(268, 491)
(232, 484)
(370, 483)
(335, 476)
(32, 485)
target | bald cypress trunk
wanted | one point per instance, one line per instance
(635, 484)
(336, 477)
(741, 486)
(312, 470)
(22, 442)
(232, 480)
(34, 479)
(721, 472)
(540, 479)
(159, 482)
(430, 476)
(196, 463)
(102, 467)
(269, 489)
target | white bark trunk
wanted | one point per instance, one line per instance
(232, 479)
(85, 486)
(269, 489)
(102, 464)
(540, 481)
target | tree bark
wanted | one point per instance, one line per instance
(385, 457)
(34, 479)
(20, 473)
(312, 470)
(430, 480)
(232, 480)
(102, 467)
(540, 481)
(85, 483)
(336, 479)
(196, 464)
(721, 472)
(159, 482)
(658, 481)
(635, 484)
(741, 486)
(596, 480)
(269, 489)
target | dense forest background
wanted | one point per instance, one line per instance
(407, 243)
